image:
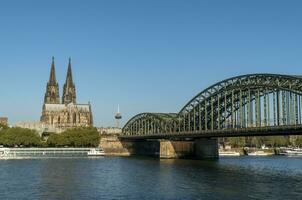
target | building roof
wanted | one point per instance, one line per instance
(62, 107)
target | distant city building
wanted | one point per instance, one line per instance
(4, 121)
(67, 114)
(39, 127)
(109, 131)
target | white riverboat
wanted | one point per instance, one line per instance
(228, 153)
(293, 152)
(260, 153)
(4, 152)
(96, 152)
(20, 153)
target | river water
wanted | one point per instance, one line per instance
(139, 178)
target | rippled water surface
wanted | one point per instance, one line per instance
(148, 178)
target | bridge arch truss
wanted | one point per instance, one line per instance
(242, 102)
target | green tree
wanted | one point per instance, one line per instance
(237, 142)
(299, 141)
(79, 137)
(11, 137)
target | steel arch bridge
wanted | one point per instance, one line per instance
(253, 104)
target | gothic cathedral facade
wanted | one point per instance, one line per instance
(67, 114)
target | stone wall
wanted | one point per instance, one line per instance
(113, 146)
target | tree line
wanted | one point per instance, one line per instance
(269, 141)
(20, 137)
(80, 137)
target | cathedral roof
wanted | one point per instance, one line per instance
(54, 107)
(83, 107)
(63, 107)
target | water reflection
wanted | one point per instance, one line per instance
(148, 178)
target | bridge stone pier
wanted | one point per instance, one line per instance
(176, 149)
(206, 148)
(198, 149)
(165, 149)
(113, 146)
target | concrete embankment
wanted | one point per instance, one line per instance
(113, 146)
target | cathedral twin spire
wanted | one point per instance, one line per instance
(52, 78)
(52, 90)
(69, 91)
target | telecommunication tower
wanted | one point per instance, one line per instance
(118, 117)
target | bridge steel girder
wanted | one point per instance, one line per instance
(158, 122)
(256, 131)
(235, 103)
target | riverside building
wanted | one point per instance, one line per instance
(4, 121)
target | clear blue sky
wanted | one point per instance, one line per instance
(147, 56)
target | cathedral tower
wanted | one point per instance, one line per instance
(69, 91)
(52, 88)
(59, 116)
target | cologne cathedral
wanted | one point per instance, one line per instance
(65, 114)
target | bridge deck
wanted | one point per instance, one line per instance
(236, 132)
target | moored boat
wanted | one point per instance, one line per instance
(4, 152)
(260, 153)
(228, 153)
(21, 153)
(96, 152)
(293, 152)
